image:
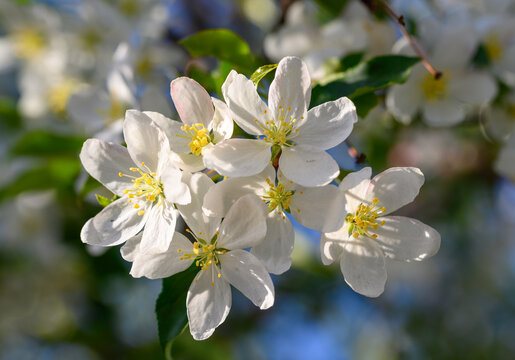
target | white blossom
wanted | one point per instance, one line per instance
(284, 124)
(219, 255)
(146, 181)
(313, 207)
(370, 234)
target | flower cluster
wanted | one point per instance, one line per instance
(239, 229)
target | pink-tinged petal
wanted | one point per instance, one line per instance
(248, 110)
(327, 125)
(291, 89)
(319, 208)
(308, 166)
(159, 228)
(445, 112)
(222, 123)
(163, 264)
(145, 140)
(275, 250)
(208, 303)
(224, 194)
(105, 161)
(474, 88)
(247, 274)
(362, 266)
(203, 226)
(114, 225)
(406, 239)
(192, 101)
(244, 225)
(332, 244)
(238, 157)
(395, 187)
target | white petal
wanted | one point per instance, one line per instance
(104, 161)
(244, 225)
(327, 125)
(332, 244)
(319, 208)
(246, 105)
(222, 124)
(403, 101)
(207, 305)
(238, 157)
(176, 191)
(247, 274)
(189, 162)
(130, 249)
(456, 48)
(159, 228)
(475, 88)
(363, 268)
(275, 250)
(395, 187)
(192, 101)
(446, 112)
(291, 88)
(115, 224)
(192, 213)
(308, 166)
(87, 106)
(406, 239)
(355, 186)
(171, 128)
(224, 194)
(164, 264)
(144, 139)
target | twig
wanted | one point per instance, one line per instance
(402, 26)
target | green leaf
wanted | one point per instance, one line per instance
(333, 7)
(171, 305)
(351, 60)
(103, 201)
(57, 174)
(222, 44)
(44, 143)
(261, 72)
(9, 115)
(374, 74)
(364, 103)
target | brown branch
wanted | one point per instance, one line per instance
(402, 26)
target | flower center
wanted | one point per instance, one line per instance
(204, 254)
(434, 89)
(277, 197)
(493, 47)
(365, 218)
(146, 187)
(28, 43)
(199, 136)
(277, 133)
(59, 94)
(115, 111)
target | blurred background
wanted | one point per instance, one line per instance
(70, 68)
